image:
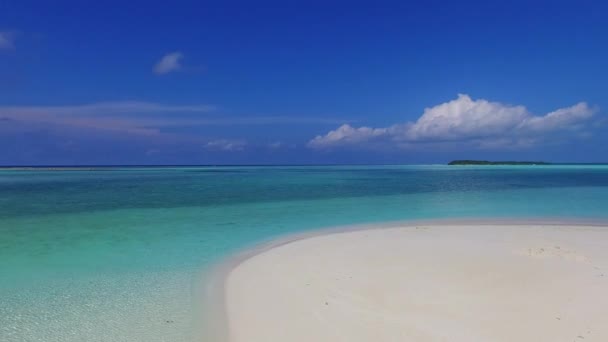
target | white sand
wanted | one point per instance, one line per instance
(426, 283)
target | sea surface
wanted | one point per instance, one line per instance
(118, 254)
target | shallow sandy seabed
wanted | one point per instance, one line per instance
(425, 283)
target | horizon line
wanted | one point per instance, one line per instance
(254, 165)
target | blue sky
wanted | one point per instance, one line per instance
(298, 82)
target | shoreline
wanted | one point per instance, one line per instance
(215, 315)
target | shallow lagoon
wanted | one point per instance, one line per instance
(118, 254)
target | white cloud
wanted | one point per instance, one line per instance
(169, 63)
(226, 145)
(571, 117)
(465, 118)
(7, 40)
(347, 134)
(481, 122)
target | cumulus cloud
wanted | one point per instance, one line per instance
(7, 40)
(169, 63)
(480, 122)
(226, 145)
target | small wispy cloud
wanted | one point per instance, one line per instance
(7, 40)
(106, 108)
(152, 152)
(227, 145)
(133, 117)
(276, 145)
(169, 63)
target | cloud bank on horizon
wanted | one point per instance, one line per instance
(480, 123)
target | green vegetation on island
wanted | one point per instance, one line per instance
(485, 162)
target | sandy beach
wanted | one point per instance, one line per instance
(425, 283)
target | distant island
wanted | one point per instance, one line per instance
(485, 162)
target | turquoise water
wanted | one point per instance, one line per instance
(116, 254)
